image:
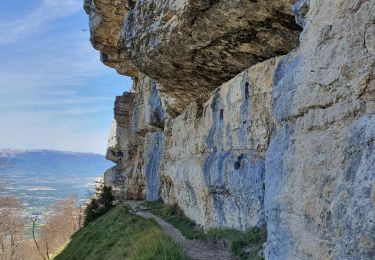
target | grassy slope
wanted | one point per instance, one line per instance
(244, 245)
(121, 235)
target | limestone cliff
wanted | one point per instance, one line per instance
(248, 113)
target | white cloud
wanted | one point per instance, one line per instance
(38, 20)
(46, 62)
(66, 59)
(80, 111)
(55, 101)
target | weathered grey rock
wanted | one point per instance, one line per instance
(320, 172)
(127, 182)
(122, 139)
(106, 18)
(136, 142)
(192, 47)
(149, 114)
(213, 164)
(152, 155)
(99, 185)
(288, 142)
(125, 148)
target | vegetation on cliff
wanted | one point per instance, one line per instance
(100, 205)
(121, 235)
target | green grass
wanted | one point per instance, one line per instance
(244, 245)
(121, 235)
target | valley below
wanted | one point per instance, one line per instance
(39, 178)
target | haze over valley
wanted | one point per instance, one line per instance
(41, 177)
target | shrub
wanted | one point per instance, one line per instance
(99, 206)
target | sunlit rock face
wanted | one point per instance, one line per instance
(105, 22)
(214, 154)
(125, 148)
(136, 142)
(240, 138)
(122, 138)
(320, 174)
(192, 47)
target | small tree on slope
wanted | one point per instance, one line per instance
(99, 206)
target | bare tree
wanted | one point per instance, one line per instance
(11, 225)
(62, 221)
(34, 223)
(14, 241)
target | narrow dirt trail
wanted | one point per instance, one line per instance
(196, 249)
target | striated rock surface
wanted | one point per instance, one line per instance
(122, 139)
(136, 142)
(240, 138)
(149, 114)
(153, 152)
(215, 152)
(125, 148)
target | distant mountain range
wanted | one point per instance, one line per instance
(40, 177)
(43, 161)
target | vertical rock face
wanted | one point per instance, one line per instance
(136, 142)
(125, 149)
(215, 152)
(320, 171)
(149, 114)
(153, 152)
(287, 143)
(121, 136)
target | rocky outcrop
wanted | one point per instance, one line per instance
(191, 47)
(125, 148)
(136, 142)
(99, 185)
(207, 51)
(106, 18)
(240, 138)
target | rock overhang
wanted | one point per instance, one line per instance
(105, 20)
(290, 147)
(190, 47)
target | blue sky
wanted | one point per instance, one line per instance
(54, 91)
